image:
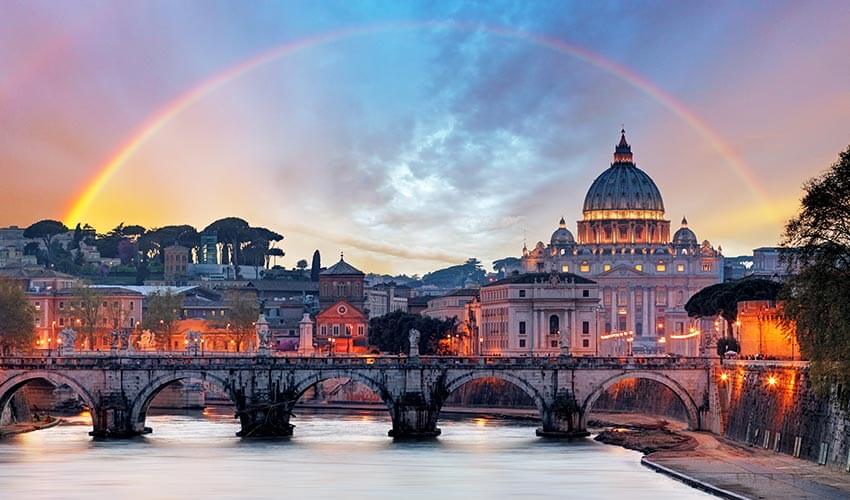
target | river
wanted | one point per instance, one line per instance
(330, 456)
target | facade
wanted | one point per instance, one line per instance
(761, 334)
(176, 263)
(342, 281)
(341, 328)
(385, 298)
(453, 305)
(644, 276)
(538, 314)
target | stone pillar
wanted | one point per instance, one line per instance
(414, 418)
(562, 418)
(112, 418)
(305, 335)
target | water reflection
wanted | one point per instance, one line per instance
(195, 455)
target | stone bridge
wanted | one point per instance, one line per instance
(118, 389)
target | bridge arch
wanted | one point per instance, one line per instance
(680, 392)
(303, 384)
(9, 387)
(142, 402)
(455, 383)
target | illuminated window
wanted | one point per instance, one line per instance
(565, 268)
(585, 267)
(661, 267)
(706, 267)
(680, 268)
(638, 267)
(606, 267)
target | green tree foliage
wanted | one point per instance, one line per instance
(456, 276)
(316, 266)
(45, 230)
(17, 317)
(274, 253)
(161, 316)
(231, 233)
(723, 298)
(390, 333)
(301, 265)
(816, 299)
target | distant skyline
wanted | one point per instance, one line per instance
(415, 135)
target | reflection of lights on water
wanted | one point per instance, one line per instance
(480, 422)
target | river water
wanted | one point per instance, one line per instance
(330, 456)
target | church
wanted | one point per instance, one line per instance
(623, 243)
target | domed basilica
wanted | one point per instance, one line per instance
(623, 243)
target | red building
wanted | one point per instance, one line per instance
(342, 324)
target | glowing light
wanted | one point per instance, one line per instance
(662, 340)
(155, 123)
(771, 380)
(724, 377)
(694, 333)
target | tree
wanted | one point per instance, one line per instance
(45, 230)
(231, 232)
(17, 317)
(723, 298)
(274, 253)
(86, 313)
(243, 317)
(316, 266)
(390, 332)
(161, 316)
(815, 299)
(301, 265)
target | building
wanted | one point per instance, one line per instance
(342, 281)
(761, 333)
(341, 328)
(644, 276)
(452, 305)
(385, 298)
(539, 314)
(176, 264)
(765, 262)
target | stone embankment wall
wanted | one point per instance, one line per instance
(772, 405)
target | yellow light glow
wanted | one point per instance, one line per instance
(771, 380)
(724, 377)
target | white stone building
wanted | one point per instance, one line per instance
(645, 277)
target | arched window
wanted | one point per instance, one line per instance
(554, 325)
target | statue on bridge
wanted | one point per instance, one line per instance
(264, 336)
(147, 341)
(413, 338)
(193, 341)
(67, 341)
(115, 341)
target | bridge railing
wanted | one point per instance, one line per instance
(247, 360)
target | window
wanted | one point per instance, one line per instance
(554, 343)
(61, 306)
(213, 312)
(661, 267)
(221, 312)
(565, 268)
(61, 321)
(115, 305)
(361, 330)
(336, 330)
(638, 267)
(585, 342)
(606, 267)
(622, 296)
(522, 342)
(38, 306)
(324, 331)
(132, 322)
(607, 327)
(606, 297)
(115, 323)
(585, 267)
(105, 305)
(639, 329)
(554, 324)
(706, 267)
(585, 327)
(522, 327)
(680, 268)
(585, 293)
(133, 306)
(661, 297)
(348, 330)
(522, 293)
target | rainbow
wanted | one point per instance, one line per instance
(162, 117)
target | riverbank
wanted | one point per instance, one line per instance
(12, 429)
(722, 467)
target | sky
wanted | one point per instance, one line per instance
(415, 135)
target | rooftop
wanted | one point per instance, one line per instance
(531, 278)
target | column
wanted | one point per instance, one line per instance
(535, 333)
(632, 309)
(614, 296)
(647, 326)
(651, 305)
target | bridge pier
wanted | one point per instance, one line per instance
(262, 416)
(112, 418)
(562, 418)
(414, 418)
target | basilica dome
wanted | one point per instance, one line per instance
(684, 236)
(562, 235)
(623, 191)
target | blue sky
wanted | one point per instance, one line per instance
(414, 147)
